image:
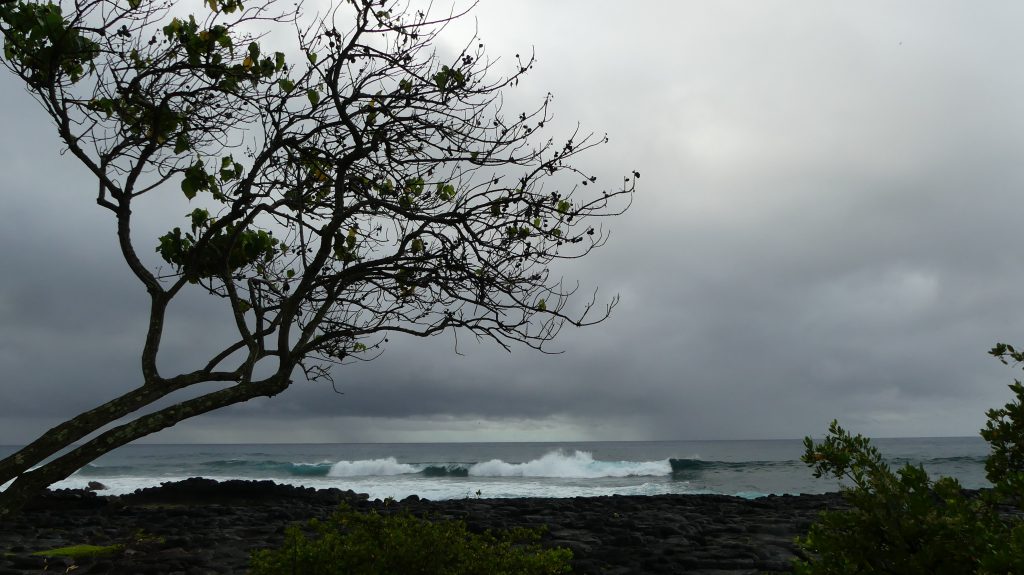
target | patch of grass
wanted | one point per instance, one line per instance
(81, 551)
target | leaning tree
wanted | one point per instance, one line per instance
(362, 182)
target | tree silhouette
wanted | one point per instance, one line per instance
(362, 184)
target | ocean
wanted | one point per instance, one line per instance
(493, 470)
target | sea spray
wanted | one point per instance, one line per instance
(371, 467)
(580, 465)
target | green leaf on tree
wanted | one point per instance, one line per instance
(188, 188)
(181, 143)
(200, 218)
(445, 191)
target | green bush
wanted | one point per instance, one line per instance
(1004, 431)
(904, 522)
(372, 543)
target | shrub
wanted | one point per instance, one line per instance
(372, 543)
(904, 522)
(1004, 431)
(898, 522)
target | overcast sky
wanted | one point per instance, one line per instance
(827, 226)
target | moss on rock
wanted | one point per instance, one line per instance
(81, 551)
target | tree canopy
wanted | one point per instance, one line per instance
(359, 182)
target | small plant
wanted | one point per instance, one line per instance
(904, 522)
(400, 543)
(141, 537)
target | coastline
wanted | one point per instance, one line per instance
(203, 526)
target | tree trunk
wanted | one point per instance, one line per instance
(72, 430)
(30, 484)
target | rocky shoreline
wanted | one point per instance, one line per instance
(200, 526)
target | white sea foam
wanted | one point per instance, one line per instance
(401, 486)
(370, 467)
(580, 464)
(115, 485)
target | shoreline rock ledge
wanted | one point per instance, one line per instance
(202, 526)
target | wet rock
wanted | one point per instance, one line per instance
(204, 526)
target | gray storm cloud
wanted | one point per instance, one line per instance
(826, 227)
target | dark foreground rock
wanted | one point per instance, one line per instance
(201, 526)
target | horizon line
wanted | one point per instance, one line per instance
(513, 442)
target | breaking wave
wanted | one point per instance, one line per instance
(375, 467)
(579, 464)
(556, 464)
